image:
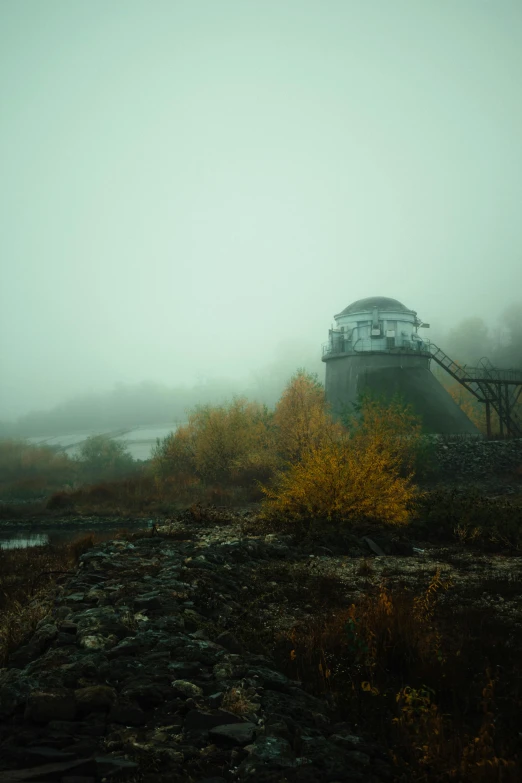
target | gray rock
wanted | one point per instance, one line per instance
(128, 714)
(229, 642)
(332, 760)
(198, 720)
(64, 728)
(14, 690)
(238, 733)
(147, 694)
(40, 642)
(373, 546)
(129, 646)
(112, 765)
(267, 752)
(185, 669)
(146, 602)
(45, 705)
(103, 620)
(268, 678)
(357, 759)
(349, 741)
(188, 689)
(215, 699)
(95, 698)
(78, 779)
(212, 780)
(43, 753)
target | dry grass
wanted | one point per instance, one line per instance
(424, 685)
(470, 517)
(434, 683)
(365, 567)
(239, 700)
(146, 496)
(28, 578)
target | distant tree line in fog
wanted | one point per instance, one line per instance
(472, 339)
(125, 406)
(129, 405)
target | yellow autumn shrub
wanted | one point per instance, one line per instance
(221, 443)
(300, 416)
(335, 480)
(362, 472)
(174, 455)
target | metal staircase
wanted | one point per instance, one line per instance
(497, 389)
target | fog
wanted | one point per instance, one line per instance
(191, 190)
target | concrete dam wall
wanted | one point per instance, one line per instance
(386, 375)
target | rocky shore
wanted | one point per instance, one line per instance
(133, 675)
(137, 673)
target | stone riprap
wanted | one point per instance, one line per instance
(135, 675)
(475, 459)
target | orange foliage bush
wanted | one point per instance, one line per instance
(362, 473)
(301, 417)
(334, 480)
(232, 443)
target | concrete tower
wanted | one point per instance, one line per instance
(375, 347)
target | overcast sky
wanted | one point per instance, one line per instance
(187, 186)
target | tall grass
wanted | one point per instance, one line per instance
(28, 579)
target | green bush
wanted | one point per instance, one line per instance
(101, 457)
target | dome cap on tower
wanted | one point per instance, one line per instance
(373, 302)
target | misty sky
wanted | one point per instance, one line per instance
(189, 188)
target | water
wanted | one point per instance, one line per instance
(139, 441)
(23, 540)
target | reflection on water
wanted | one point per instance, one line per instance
(54, 536)
(23, 540)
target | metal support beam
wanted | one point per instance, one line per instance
(499, 389)
(500, 409)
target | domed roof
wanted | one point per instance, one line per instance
(372, 302)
